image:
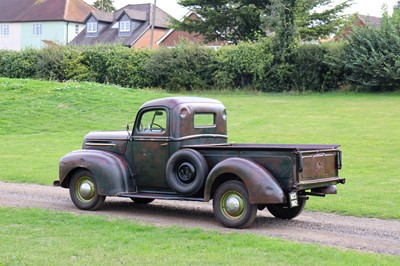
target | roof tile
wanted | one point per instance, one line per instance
(44, 10)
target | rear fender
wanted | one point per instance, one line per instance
(111, 171)
(261, 185)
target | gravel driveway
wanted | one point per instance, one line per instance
(365, 234)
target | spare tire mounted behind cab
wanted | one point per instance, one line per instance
(186, 171)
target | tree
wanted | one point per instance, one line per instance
(315, 21)
(284, 42)
(371, 57)
(104, 5)
(225, 20)
(248, 20)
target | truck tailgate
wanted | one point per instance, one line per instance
(319, 168)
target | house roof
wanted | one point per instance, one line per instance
(162, 17)
(44, 10)
(371, 20)
(173, 36)
(109, 34)
(134, 14)
(101, 16)
(358, 20)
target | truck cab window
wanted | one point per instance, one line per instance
(154, 121)
(202, 120)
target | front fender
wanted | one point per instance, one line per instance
(111, 171)
(261, 185)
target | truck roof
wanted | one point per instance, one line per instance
(171, 102)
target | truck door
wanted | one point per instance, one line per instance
(151, 149)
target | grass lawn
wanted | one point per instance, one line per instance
(38, 237)
(42, 121)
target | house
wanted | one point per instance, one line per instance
(132, 26)
(362, 20)
(37, 23)
(129, 26)
(358, 20)
(174, 36)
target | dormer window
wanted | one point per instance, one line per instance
(91, 27)
(124, 26)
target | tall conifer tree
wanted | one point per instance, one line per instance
(104, 5)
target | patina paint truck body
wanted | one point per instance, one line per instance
(178, 150)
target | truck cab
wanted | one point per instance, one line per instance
(164, 126)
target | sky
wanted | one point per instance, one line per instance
(363, 7)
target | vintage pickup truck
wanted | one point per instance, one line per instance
(178, 150)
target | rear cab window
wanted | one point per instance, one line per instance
(204, 120)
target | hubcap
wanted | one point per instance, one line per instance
(186, 172)
(232, 205)
(85, 189)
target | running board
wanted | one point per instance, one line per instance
(158, 196)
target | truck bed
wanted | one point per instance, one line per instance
(304, 166)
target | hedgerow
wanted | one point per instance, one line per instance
(369, 61)
(185, 67)
(371, 57)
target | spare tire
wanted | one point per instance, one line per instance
(186, 171)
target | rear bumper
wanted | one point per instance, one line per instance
(321, 182)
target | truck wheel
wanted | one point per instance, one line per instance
(232, 207)
(83, 191)
(284, 212)
(186, 171)
(141, 200)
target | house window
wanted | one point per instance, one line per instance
(76, 28)
(4, 29)
(124, 26)
(37, 29)
(92, 27)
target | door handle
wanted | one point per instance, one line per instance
(164, 144)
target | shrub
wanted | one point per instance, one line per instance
(50, 63)
(313, 71)
(6, 59)
(18, 64)
(74, 64)
(372, 56)
(95, 58)
(243, 65)
(125, 66)
(334, 77)
(185, 67)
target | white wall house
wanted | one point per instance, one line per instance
(10, 36)
(37, 24)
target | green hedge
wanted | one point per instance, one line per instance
(185, 67)
(313, 69)
(245, 65)
(18, 64)
(371, 58)
(254, 66)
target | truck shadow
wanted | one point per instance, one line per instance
(157, 209)
(196, 214)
